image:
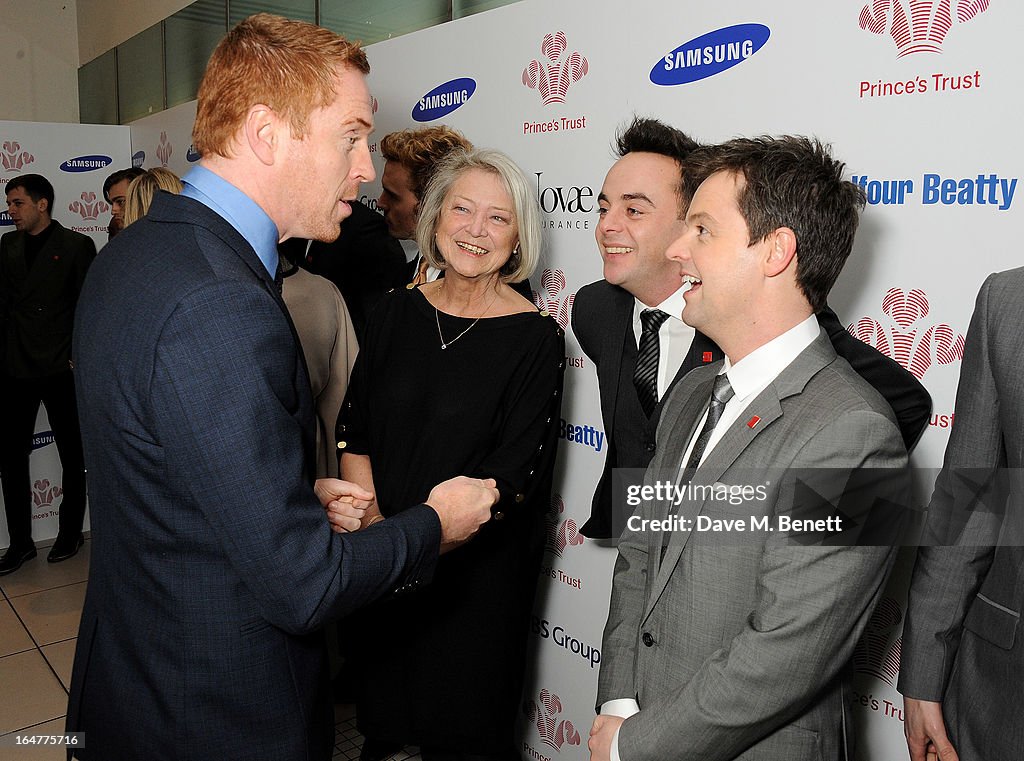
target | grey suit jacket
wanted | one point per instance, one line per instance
(734, 645)
(962, 643)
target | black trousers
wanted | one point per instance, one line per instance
(19, 404)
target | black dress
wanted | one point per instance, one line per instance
(443, 667)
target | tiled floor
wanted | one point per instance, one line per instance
(39, 613)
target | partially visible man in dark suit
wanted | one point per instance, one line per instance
(42, 268)
(213, 564)
(365, 262)
(115, 191)
(410, 159)
(962, 661)
(630, 324)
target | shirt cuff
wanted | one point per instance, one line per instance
(624, 707)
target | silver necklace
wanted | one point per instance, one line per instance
(437, 319)
(446, 344)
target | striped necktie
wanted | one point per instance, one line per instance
(645, 374)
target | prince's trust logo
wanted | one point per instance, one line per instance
(554, 732)
(88, 206)
(918, 26)
(907, 338)
(44, 494)
(553, 78)
(878, 652)
(554, 299)
(13, 157)
(164, 150)
(561, 533)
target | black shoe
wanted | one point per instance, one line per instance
(377, 750)
(14, 557)
(64, 548)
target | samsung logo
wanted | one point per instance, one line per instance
(85, 163)
(138, 159)
(42, 439)
(444, 99)
(192, 155)
(710, 54)
(5, 219)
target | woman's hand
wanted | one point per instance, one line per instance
(346, 504)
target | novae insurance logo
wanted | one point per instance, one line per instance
(553, 78)
(906, 339)
(710, 54)
(918, 26)
(444, 99)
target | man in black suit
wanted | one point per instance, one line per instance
(42, 268)
(365, 262)
(213, 565)
(642, 207)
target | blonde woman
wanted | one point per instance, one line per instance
(458, 376)
(144, 187)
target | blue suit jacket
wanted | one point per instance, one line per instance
(213, 565)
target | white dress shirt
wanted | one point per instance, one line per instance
(674, 336)
(748, 378)
(412, 254)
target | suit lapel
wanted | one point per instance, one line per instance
(611, 351)
(767, 406)
(703, 351)
(15, 253)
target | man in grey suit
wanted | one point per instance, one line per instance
(962, 662)
(732, 646)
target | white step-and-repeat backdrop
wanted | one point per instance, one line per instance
(920, 97)
(76, 159)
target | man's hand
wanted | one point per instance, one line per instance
(463, 505)
(601, 736)
(926, 731)
(344, 502)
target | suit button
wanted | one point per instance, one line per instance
(647, 639)
(499, 516)
(520, 497)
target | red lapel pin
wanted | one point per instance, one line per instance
(753, 421)
(708, 356)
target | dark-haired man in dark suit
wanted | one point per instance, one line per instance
(642, 206)
(42, 268)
